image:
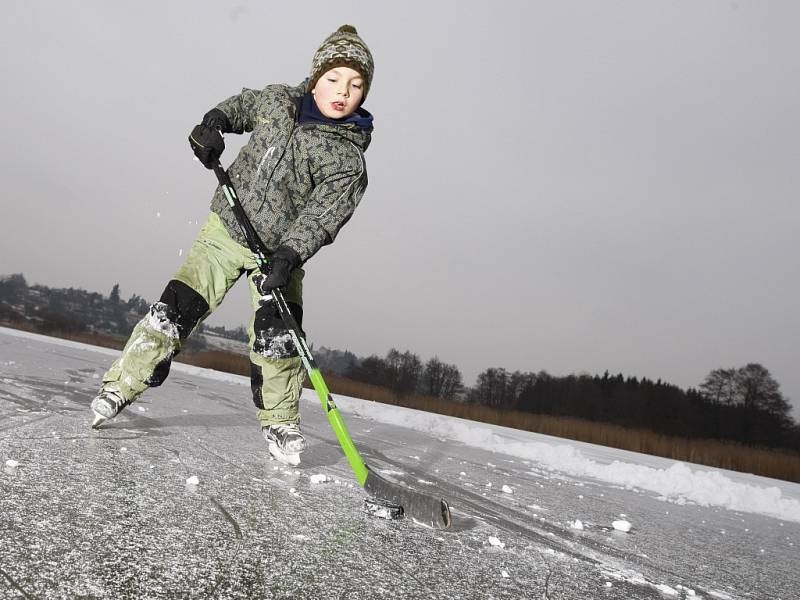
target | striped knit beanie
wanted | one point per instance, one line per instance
(343, 48)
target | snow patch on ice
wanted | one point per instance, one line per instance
(507, 490)
(576, 524)
(193, 480)
(621, 525)
(496, 542)
(319, 478)
(12, 464)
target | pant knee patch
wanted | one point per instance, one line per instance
(272, 339)
(185, 307)
(160, 373)
(256, 383)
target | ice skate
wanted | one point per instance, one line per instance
(285, 442)
(106, 405)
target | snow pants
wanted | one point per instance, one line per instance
(214, 264)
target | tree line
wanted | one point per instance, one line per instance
(742, 404)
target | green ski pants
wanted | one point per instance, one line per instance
(214, 264)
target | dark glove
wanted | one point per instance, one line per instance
(206, 139)
(280, 265)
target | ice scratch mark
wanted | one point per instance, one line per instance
(228, 516)
(15, 585)
(546, 594)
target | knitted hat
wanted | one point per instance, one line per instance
(343, 48)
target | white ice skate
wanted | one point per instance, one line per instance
(285, 442)
(106, 405)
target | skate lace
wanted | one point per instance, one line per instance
(286, 430)
(115, 399)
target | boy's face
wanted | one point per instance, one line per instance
(338, 93)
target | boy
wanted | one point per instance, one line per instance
(299, 178)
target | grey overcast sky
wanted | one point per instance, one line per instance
(572, 186)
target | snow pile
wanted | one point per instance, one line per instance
(319, 478)
(678, 483)
(193, 480)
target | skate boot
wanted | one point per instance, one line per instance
(107, 405)
(285, 442)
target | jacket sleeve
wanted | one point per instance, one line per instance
(330, 206)
(241, 110)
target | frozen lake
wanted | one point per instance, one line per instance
(109, 513)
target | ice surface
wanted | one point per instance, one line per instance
(82, 518)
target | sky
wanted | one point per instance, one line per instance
(573, 186)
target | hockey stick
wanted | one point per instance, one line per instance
(424, 508)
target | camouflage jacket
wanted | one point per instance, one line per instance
(298, 182)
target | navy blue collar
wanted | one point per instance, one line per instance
(310, 113)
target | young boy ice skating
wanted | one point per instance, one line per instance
(299, 177)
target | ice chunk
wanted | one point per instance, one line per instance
(507, 490)
(621, 525)
(319, 478)
(496, 542)
(504, 573)
(12, 464)
(193, 480)
(577, 524)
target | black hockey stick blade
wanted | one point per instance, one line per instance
(426, 509)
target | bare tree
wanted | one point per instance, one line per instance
(720, 387)
(752, 387)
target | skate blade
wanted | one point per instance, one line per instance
(287, 458)
(98, 420)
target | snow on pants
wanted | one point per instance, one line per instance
(214, 264)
